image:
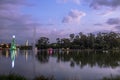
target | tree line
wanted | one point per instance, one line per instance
(106, 40)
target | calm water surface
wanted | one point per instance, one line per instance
(63, 65)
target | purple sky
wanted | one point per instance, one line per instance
(56, 18)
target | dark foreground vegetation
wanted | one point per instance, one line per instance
(44, 78)
(12, 77)
(111, 78)
(18, 77)
(110, 40)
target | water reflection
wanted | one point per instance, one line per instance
(61, 63)
(82, 58)
(13, 54)
(7, 53)
(50, 51)
(75, 57)
(43, 56)
(26, 54)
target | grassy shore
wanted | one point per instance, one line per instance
(111, 78)
(18, 77)
(41, 77)
(12, 77)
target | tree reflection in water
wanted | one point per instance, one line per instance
(13, 54)
(42, 56)
(82, 58)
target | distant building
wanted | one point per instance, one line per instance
(27, 43)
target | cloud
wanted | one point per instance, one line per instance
(113, 21)
(97, 4)
(13, 21)
(12, 5)
(74, 16)
(57, 34)
(107, 12)
(76, 1)
(73, 1)
(12, 2)
(47, 24)
(98, 24)
(117, 27)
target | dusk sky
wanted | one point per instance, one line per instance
(56, 18)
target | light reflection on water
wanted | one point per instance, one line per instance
(13, 54)
(61, 64)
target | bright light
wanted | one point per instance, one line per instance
(13, 36)
(12, 64)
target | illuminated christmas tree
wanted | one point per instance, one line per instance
(13, 45)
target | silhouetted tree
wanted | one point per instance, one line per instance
(43, 42)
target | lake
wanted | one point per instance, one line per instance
(62, 65)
